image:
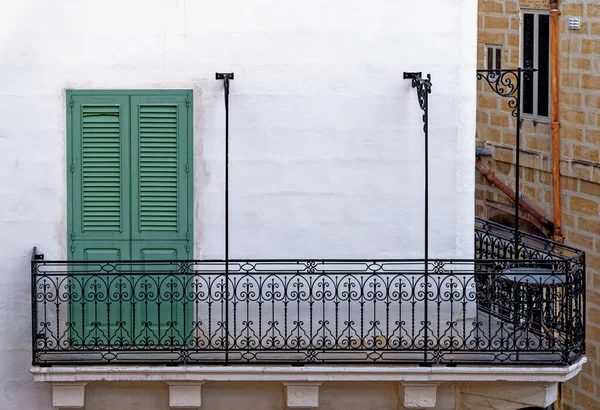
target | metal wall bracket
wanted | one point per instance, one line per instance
(408, 75)
(223, 76)
(423, 87)
(506, 83)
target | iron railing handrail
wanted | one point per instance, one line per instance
(535, 238)
(274, 260)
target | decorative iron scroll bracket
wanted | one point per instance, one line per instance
(423, 87)
(507, 84)
(226, 77)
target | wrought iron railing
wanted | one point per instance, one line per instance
(495, 309)
(546, 281)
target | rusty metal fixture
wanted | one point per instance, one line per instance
(511, 194)
(554, 13)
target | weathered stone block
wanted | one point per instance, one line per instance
(490, 22)
(584, 206)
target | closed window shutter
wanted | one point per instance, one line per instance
(130, 172)
(99, 171)
(161, 194)
(161, 209)
(98, 208)
(130, 198)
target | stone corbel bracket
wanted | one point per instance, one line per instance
(302, 394)
(68, 395)
(185, 395)
(419, 395)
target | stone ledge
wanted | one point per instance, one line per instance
(318, 374)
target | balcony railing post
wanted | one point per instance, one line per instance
(33, 305)
(517, 160)
(423, 87)
(226, 77)
(35, 258)
(571, 307)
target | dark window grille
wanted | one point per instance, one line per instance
(494, 57)
(536, 53)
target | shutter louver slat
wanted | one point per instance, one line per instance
(158, 168)
(101, 168)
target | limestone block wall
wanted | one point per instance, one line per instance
(579, 105)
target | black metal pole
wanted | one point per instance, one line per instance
(33, 306)
(426, 245)
(423, 87)
(517, 162)
(226, 77)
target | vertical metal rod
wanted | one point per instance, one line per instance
(33, 307)
(423, 87)
(226, 86)
(426, 130)
(567, 268)
(226, 77)
(517, 162)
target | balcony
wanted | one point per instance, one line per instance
(502, 308)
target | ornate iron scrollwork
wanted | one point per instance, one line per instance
(423, 87)
(507, 83)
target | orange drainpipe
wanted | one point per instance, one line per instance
(554, 13)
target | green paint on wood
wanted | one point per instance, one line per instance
(130, 197)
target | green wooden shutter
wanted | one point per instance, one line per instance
(99, 169)
(162, 210)
(161, 196)
(130, 197)
(98, 207)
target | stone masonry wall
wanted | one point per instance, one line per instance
(579, 105)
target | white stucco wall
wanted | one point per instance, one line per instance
(326, 141)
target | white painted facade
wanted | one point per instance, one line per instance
(326, 145)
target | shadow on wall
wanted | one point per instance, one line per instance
(508, 220)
